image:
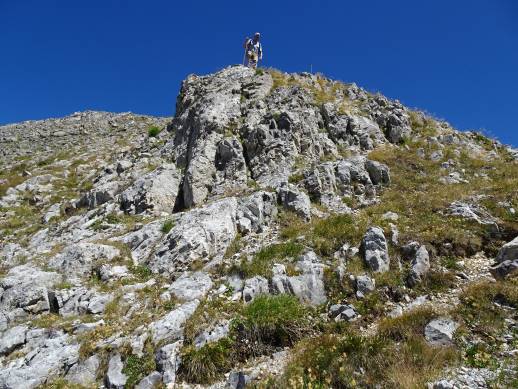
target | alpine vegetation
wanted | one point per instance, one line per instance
(280, 231)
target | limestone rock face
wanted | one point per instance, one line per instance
(52, 357)
(294, 200)
(156, 190)
(205, 233)
(201, 234)
(170, 327)
(192, 286)
(26, 289)
(80, 259)
(206, 109)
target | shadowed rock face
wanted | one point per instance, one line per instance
(133, 247)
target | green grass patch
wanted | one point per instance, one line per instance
(136, 368)
(407, 326)
(262, 262)
(478, 308)
(207, 364)
(270, 322)
(333, 361)
(167, 226)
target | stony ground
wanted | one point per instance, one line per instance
(281, 231)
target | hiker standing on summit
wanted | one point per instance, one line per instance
(253, 51)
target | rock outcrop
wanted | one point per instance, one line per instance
(136, 251)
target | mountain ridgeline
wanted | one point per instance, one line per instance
(280, 231)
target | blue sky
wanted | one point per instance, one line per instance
(456, 59)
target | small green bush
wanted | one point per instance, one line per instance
(141, 272)
(167, 226)
(137, 368)
(153, 131)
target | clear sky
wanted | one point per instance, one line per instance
(457, 59)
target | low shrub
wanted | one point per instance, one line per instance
(136, 368)
(269, 322)
(167, 226)
(153, 131)
(207, 364)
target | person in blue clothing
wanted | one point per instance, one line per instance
(253, 51)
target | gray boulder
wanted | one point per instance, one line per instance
(150, 381)
(154, 191)
(115, 378)
(79, 260)
(191, 286)
(420, 266)
(365, 284)
(508, 252)
(254, 287)
(506, 260)
(27, 287)
(308, 286)
(291, 198)
(375, 250)
(342, 312)
(168, 362)
(170, 327)
(84, 372)
(378, 172)
(52, 358)
(12, 339)
(439, 332)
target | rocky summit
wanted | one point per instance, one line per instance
(280, 231)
